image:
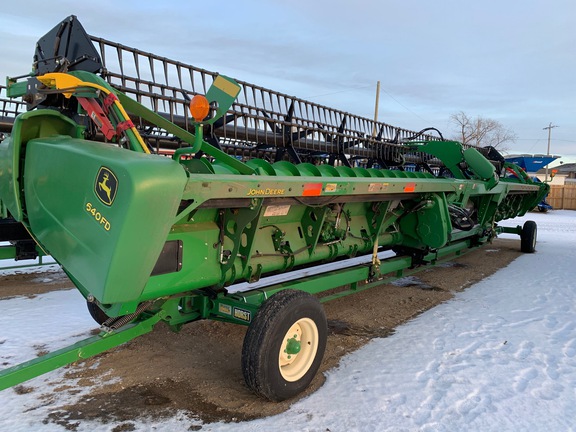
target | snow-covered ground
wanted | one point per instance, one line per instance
(500, 356)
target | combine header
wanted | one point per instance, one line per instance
(162, 204)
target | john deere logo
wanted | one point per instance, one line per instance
(106, 186)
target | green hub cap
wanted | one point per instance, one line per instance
(293, 346)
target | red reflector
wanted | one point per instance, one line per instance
(312, 189)
(410, 187)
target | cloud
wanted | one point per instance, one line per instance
(505, 60)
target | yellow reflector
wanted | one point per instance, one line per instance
(231, 89)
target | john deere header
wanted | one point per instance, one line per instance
(157, 195)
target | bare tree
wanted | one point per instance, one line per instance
(481, 131)
(463, 122)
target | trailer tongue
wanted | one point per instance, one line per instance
(154, 215)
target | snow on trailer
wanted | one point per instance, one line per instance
(259, 183)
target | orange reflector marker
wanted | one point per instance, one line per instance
(199, 107)
(410, 187)
(312, 189)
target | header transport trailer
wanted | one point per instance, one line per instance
(165, 205)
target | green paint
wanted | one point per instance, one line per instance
(79, 351)
(130, 227)
(292, 346)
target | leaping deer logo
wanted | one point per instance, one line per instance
(106, 186)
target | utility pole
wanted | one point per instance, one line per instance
(550, 126)
(374, 129)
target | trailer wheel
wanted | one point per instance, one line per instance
(528, 237)
(284, 345)
(95, 312)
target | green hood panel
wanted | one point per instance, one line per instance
(102, 212)
(9, 183)
(31, 124)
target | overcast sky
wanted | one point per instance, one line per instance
(512, 61)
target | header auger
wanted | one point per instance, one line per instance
(159, 215)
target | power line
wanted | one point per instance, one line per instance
(402, 105)
(537, 139)
(366, 86)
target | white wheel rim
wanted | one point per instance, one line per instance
(293, 366)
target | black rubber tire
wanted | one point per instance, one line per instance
(542, 209)
(96, 313)
(528, 237)
(261, 364)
